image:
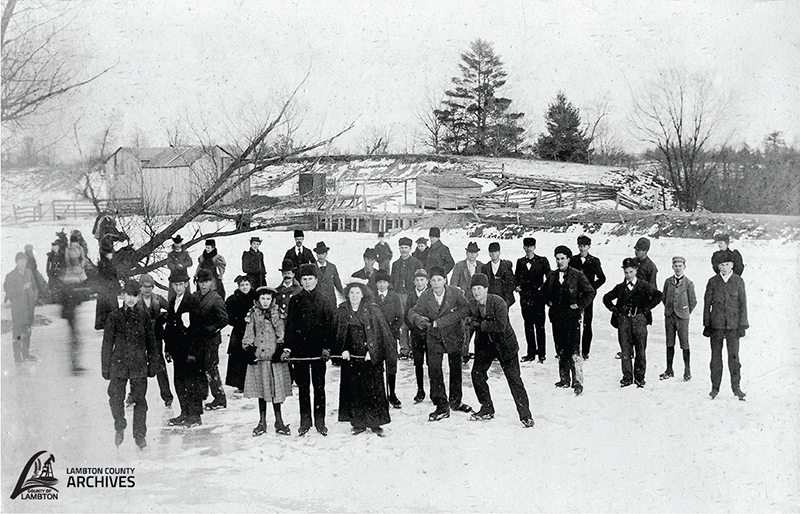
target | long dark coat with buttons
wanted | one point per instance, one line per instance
(129, 345)
(448, 335)
(725, 303)
(493, 330)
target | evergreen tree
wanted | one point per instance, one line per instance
(565, 140)
(475, 121)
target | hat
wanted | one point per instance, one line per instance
(74, 239)
(132, 287)
(255, 239)
(287, 265)
(437, 270)
(382, 274)
(434, 232)
(370, 253)
(146, 280)
(561, 249)
(584, 240)
(642, 244)
(179, 276)
(630, 262)
(473, 247)
(722, 237)
(422, 240)
(265, 289)
(421, 273)
(380, 234)
(177, 239)
(529, 241)
(204, 275)
(494, 247)
(321, 248)
(678, 258)
(21, 256)
(56, 243)
(722, 256)
(211, 243)
(479, 279)
(241, 278)
(307, 270)
(299, 233)
(404, 241)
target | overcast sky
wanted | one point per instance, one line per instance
(378, 62)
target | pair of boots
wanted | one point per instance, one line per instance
(21, 347)
(261, 428)
(687, 374)
(391, 381)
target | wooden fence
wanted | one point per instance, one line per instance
(67, 209)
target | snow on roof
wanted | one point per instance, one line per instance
(175, 157)
(449, 180)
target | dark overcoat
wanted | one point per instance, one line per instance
(641, 299)
(379, 338)
(253, 267)
(422, 256)
(403, 274)
(305, 257)
(23, 301)
(213, 317)
(448, 335)
(648, 271)
(439, 255)
(181, 341)
(576, 289)
(493, 332)
(237, 306)
(129, 345)
(591, 267)
(504, 282)
(392, 309)
(530, 280)
(725, 303)
(328, 282)
(309, 324)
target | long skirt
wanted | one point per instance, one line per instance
(237, 361)
(362, 396)
(268, 380)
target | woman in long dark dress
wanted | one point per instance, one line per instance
(364, 340)
(238, 305)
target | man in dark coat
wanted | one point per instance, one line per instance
(441, 311)
(309, 336)
(438, 254)
(403, 270)
(392, 309)
(237, 306)
(422, 250)
(299, 254)
(184, 347)
(253, 264)
(647, 269)
(725, 320)
(531, 273)
(129, 353)
(328, 282)
(384, 253)
(723, 243)
(500, 272)
(590, 266)
(178, 260)
(568, 294)
(156, 306)
(288, 288)
(214, 318)
(211, 261)
(417, 336)
(494, 339)
(630, 303)
(20, 289)
(366, 275)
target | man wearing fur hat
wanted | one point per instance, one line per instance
(253, 264)
(129, 352)
(723, 243)
(20, 289)
(309, 336)
(494, 339)
(440, 312)
(531, 273)
(329, 282)
(215, 264)
(500, 273)
(438, 254)
(299, 254)
(590, 266)
(214, 317)
(403, 270)
(461, 278)
(366, 275)
(568, 292)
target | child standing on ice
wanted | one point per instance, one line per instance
(267, 377)
(679, 302)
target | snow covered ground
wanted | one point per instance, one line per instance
(664, 448)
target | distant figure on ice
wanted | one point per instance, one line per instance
(384, 253)
(21, 290)
(418, 336)
(723, 243)
(630, 303)
(440, 312)
(531, 273)
(391, 307)
(253, 264)
(72, 295)
(299, 254)
(568, 294)
(213, 318)
(422, 251)
(309, 337)
(494, 339)
(107, 287)
(725, 319)
(178, 261)
(365, 343)
(500, 273)
(366, 275)
(679, 302)
(267, 377)
(403, 270)
(329, 282)
(438, 254)
(590, 266)
(215, 264)
(238, 305)
(55, 268)
(461, 278)
(129, 353)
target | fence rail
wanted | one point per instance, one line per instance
(65, 209)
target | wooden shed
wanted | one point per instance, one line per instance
(448, 191)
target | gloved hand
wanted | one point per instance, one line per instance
(423, 323)
(151, 373)
(742, 331)
(345, 355)
(706, 331)
(326, 354)
(250, 354)
(285, 355)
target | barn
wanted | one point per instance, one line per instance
(446, 191)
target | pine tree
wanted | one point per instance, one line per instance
(565, 140)
(476, 121)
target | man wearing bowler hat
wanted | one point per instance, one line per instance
(500, 273)
(299, 254)
(422, 250)
(178, 259)
(590, 266)
(328, 281)
(289, 286)
(366, 275)
(253, 264)
(461, 278)
(438, 254)
(402, 280)
(723, 243)
(531, 273)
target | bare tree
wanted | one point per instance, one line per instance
(681, 115)
(34, 72)
(433, 128)
(375, 140)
